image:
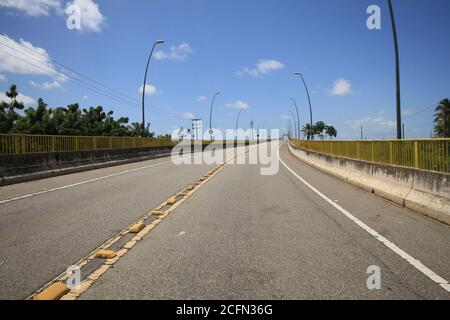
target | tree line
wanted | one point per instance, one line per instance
(320, 129)
(442, 119)
(70, 120)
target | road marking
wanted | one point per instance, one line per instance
(404, 255)
(80, 183)
(86, 283)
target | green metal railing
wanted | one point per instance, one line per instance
(427, 154)
(11, 144)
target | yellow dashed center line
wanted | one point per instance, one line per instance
(57, 288)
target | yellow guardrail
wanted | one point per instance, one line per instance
(11, 144)
(427, 154)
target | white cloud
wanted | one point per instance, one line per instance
(341, 87)
(177, 53)
(85, 97)
(21, 98)
(238, 105)
(149, 89)
(373, 126)
(91, 18)
(24, 58)
(263, 67)
(2, 78)
(32, 7)
(46, 85)
(187, 115)
(408, 112)
(201, 99)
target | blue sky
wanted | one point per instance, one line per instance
(245, 49)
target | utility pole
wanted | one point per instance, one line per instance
(362, 133)
(196, 128)
(252, 123)
(145, 83)
(403, 129)
(397, 72)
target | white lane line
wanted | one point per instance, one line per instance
(79, 183)
(411, 260)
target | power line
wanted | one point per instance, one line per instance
(81, 83)
(64, 66)
(422, 110)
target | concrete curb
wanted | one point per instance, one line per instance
(423, 191)
(4, 181)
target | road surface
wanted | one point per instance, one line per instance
(241, 236)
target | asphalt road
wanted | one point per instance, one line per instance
(42, 234)
(241, 236)
(248, 236)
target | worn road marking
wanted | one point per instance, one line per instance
(80, 183)
(411, 260)
(94, 276)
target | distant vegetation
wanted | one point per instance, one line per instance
(71, 120)
(320, 129)
(442, 120)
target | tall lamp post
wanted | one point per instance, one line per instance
(210, 114)
(295, 125)
(309, 100)
(237, 123)
(298, 118)
(145, 82)
(397, 72)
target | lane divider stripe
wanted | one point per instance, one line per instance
(80, 183)
(111, 257)
(411, 260)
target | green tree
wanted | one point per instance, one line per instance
(442, 119)
(331, 132)
(70, 120)
(8, 114)
(308, 131)
(318, 129)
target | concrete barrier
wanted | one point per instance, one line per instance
(424, 191)
(27, 167)
(34, 166)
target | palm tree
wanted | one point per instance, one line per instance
(331, 132)
(318, 129)
(308, 131)
(442, 119)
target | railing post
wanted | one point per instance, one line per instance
(358, 150)
(24, 145)
(391, 153)
(373, 153)
(416, 154)
(53, 144)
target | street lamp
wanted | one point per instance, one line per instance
(145, 82)
(210, 115)
(237, 123)
(295, 124)
(309, 99)
(298, 118)
(397, 72)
